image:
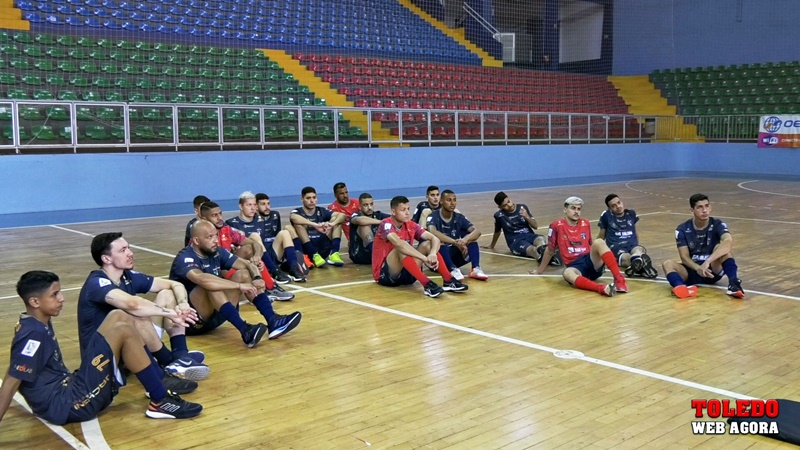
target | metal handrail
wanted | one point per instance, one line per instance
(482, 21)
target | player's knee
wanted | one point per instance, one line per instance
(241, 276)
(166, 299)
(600, 245)
(668, 266)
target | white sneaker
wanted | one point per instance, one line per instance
(456, 273)
(478, 274)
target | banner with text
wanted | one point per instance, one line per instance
(779, 131)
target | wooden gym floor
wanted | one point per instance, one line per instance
(391, 368)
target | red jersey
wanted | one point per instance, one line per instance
(228, 237)
(381, 247)
(353, 207)
(572, 241)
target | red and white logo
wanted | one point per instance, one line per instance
(739, 409)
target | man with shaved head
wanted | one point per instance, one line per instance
(199, 268)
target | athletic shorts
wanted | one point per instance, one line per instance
(585, 266)
(203, 326)
(622, 247)
(520, 244)
(322, 243)
(93, 386)
(694, 278)
(455, 255)
(404, 279)
(360, 254)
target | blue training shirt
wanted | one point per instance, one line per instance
(92, 306)
(37, 361)
(272, 226)
(320, 215)
(512, 224)
(701, 243)
(456, 228)
(620, 230)
(187, 260)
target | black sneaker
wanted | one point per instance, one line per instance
(432, 289)
(540, 253)
(253, 333)
(178, 386)
(304, 267)
(187, 369)
(454, 286)
(196, 356)
(281, 325)
(280, 277)
(647, 267)
(279, 294)
(735, 288)
(172, 407)
(555, 260)
(296, 274)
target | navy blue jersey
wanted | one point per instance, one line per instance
(36, 360)
(421, 206)
(512, 224)
(92, 306)
(620, 230)
(272, 226)
(187, 260)
(701, 243)
(456, 228)
(188, 235)
(320, 215)
(357, 246)
(254, 226)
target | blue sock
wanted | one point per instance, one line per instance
(336, 244)
(298, 245)
(474, 254)
(229, 312)
(264, 306)
(448, 260)
(309, 248)
(151, 380)
(269, 262)
(179, 347)
(291, 257)
(163, 355)
(154, 362)
(675, 280)
(730, 269)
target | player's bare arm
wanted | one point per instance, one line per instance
(7, 390)
(548, 255)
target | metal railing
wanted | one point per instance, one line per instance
(59, 126)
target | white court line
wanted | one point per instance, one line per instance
(785, 222)
(6, 297)
(633, 370)
(94, 435)
(73, 441)
(130, 245)
(764, 192)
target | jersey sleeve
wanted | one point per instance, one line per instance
(680, 238)
(384, 230)
(416, 230)
(184, 264)
(721, 228)
(465, 224)
(326, 215)
(28, 356)
(278, 221)
(497, 225)
(527, 210)
(237, 237)
(226, 259)
(603, 222)
(552, 236)
(634, 216)
(141, 283)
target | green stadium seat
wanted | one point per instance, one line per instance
(5, 113)
(123, 83)
(288, 101)
(144, 132)
(8, 78)
(137, 57)
(67, 66)
(151, 114)
(30, 113)
(152, 71)
(231, 132)
(55, 52)
(117, 132)
(45, 65)
(235, 100)
(102, 82)
(251, 132)
(109, 68)
(131, 69)
(170, 71)
(192, 114)
(96, 132)
(114, 96)
(9, 50)
(84, 41)
(189, 132)
(289, 132)
(324, 131)
(32, 80)
(271, 115)
(234, 115)
(32, 51)
(67, 95)
(43, 132)
(158, 97)
(65, 133)
(198, 98)
(45, 39)
(108, 114)
(165, 132)
(271, 132)
(20, 63)
(252, 115)
(177, 97)
(43, 94)
(79, 81)
(84, 113)
(253, 100)
(320, 102)
(216, 99)
(118, 55)
(57, 113)
(163, 84)
(184, 85)
(91, 96)
(17, 94)
(54, 79)
(210, 132)
(144, 83)
(157, 58)
(212, 114)
(305, 101)
(77, 53)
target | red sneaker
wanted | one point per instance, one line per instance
(621, 285)
(683, 291)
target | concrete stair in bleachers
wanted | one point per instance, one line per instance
(456, 34)
(644, 99)
(11, 17)
(322, 89)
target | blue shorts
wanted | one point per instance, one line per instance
(520, 244)
(404, 279)
(694, 279)
(585, 266)
(93, 385)
(455, 255)
(359, 253)
(622, 247)
(203, 326)
(322, 244)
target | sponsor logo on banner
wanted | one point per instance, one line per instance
(779, 131)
